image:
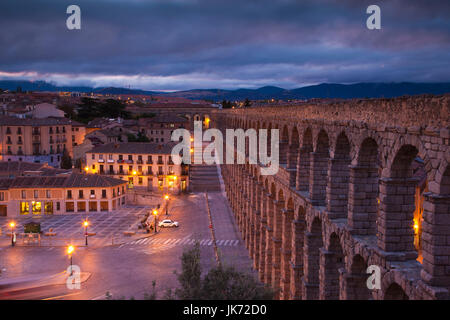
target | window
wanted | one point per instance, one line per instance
(160, 170)
(130, 157)
(24, 207)
(48, 194)
(36, 207)
(92, 193)
(58, 206)
(70, 207)
(48, 207)
(69, 194)
(93, 167)
(24, 194)
(80, 194)
(120, 157)
(140, 180)
(100, 156)
(2, 196)
(103, 193)
(93, 156)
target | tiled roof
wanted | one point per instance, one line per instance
(20, 167)
(51, 121)
(74, 180)
(134, 148)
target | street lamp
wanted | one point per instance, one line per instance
(70, 250)
(12, 224)
(167, 204)
(86, 224)
(155, 213)
(86, 169)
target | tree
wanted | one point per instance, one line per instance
(190, 276)
(220, 283)
(66, 161)
(247, 103)
(226, 104)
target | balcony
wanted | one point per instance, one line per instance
(111, 172)
(160, 162)
(19, 142)
(110, 161)
(92, 196)
(121, 172)
(149, 162)
(140, 162)
(130, 161)
(9, 142)
(101, 161)
(9, 152)
(120, 161)
(36, 132)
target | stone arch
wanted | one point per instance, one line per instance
(292, 156)
(355, 284)
(331, 265)
(319, 169)
(436, 208)
(284, 146)
(363, 189)
(395, 292)
(338, 178)
(397, 196)
(304, 160)
(313, 243)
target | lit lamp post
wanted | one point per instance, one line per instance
(167, 204)
(12, 224)
(155, 213)
(85, 225)
(70, 250)
(86, 169)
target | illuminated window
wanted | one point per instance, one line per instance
(48, 208)
(36, 207)
(24, 208)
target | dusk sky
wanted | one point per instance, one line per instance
(229, 44)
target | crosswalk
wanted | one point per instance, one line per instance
(181, 242)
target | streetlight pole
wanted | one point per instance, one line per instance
(86, 224)
(12, 225)
(167, 204)
(155, 213)
(70, 250)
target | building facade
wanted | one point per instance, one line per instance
(38, 140)
(59, 194)
(143, 165)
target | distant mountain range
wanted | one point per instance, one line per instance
(324, 90)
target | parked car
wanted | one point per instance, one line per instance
(168, 224)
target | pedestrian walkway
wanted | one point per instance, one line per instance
(183, 241)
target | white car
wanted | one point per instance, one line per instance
(168, 224)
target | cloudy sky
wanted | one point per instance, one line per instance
(185, 44)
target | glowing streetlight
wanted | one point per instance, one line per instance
(85, 225)
(134, 173)
(155, 213)
(12, 224)
(70, 250)
(86, 169)
(167, 204)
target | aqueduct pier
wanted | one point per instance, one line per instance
(349, 194)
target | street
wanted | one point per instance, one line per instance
(127, 270)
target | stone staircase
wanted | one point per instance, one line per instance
(204, 178)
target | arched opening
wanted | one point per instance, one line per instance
(363, 190)
(286, 250)
(313, 244)
(304, 162)
(319, 170)
(397, 196)
(331, 264)
(338, 179)
(298, 236)
(284, 147)
(420, 174)
(356, 281)
(395, 292)
(293, 157)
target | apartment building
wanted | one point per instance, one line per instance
(38, 140)
(60, 194)
(142, 165)
(159, 129)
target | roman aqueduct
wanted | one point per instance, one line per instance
(361, 183)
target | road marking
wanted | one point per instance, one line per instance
(219, 243)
